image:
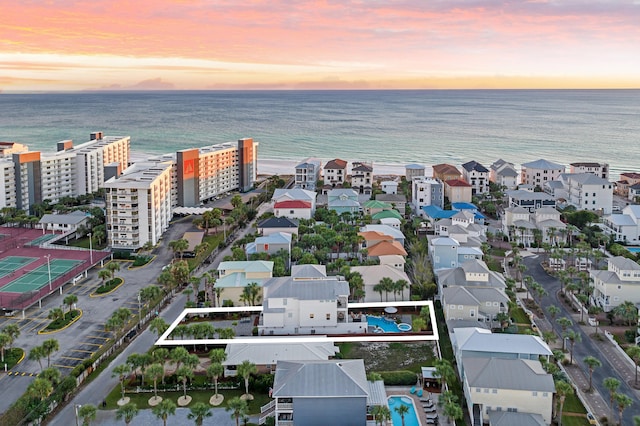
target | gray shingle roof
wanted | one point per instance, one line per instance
(278, 222)
(543, 164)
(513, 374)
(309, 379)
(286, 287)
(509, 418)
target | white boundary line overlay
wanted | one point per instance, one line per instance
(370, 337)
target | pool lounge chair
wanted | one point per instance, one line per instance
(431, 409)
(431, 415)
(413, 390)
(419, 392)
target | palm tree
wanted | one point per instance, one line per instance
(623, 401)
(113, 267)
(39, 388)
(122, 371)
(127, 412)
(444, 372)
(179, 246)
(452, 410)
(184, 373)
(215, 370)
(553, 311)
(612, 384)
(55, 314)
(163, 410)
(592, 363)
(87, 413)
(563, 389)
(155, 372)
(627, 311)
(104, 275)
(387, 286)
(5, 340)
(199, 412)
(178, 355)
(379, 288)
(52, 374)
(70, 300)
(238, 408)
(381, 414)
(13, 331)
(573, 337)
(400, 287)
(402, 410)
(37, 353)
(159, 325)
(634, 354)
(253, 293)
(50, 346)
(245, 370)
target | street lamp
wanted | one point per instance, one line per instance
(48, 256)
(90, 250)
(76, 406)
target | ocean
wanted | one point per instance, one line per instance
(391, 128)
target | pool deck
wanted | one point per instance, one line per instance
(406, 391)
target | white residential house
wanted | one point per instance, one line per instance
(624, 227)
(426, 191)
(294, 203)
(634, 193)
(389, 186)
(598, 169)
(504, 174)
(335, 173)
(517, 225)
(588, 192)
(362, 177)
(530, 200)
(547, 220)
(274, 225)
(301, 305)
(536, 173)
(477, 175)
(619, 283)
(308, 174)
(67, 223)
(413, 170)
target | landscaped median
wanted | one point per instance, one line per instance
(108, 287)
(62, 323)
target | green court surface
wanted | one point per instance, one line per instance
(41, 239)
(12, 263)
(39, 277)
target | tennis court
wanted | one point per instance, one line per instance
(39, 277)
(11, 264)
(41, 239)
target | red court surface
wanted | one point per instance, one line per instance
(16, 242)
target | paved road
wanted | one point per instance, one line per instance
(613, 365)
(100, 387)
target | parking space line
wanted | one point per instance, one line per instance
(82, 350)
(73, 358)
(99, 337)
(91, 344)
(63, 366)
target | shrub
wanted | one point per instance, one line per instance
(141, 260)
(109, 285)
(124, 255)
(398, 378)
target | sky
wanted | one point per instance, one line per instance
(50, 45)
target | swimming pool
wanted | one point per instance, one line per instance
(384, 325)
(410, 419)
(634, 250)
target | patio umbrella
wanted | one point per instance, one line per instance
(391, 310)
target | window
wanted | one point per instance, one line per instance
(534, 393)
(328, 317)
(477, 390)
(311, 316)
(453, 307)
(494, 390)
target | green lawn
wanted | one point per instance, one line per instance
(142, 399)
(520, 316)
(574, 421)
(572, 404)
